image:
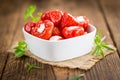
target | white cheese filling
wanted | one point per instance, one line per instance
(73, 27)
(41, 28)
(54, 38)
(80, 19)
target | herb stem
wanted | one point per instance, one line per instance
(20, 49)
(31, 16)
(100, 46)
(76, 77)
(32, 66)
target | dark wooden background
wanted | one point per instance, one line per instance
(104, 14)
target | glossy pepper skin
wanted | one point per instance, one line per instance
(68, 20)
(28, 26)
(83, 21)
(53, 15)
(43, 29)
(56, 25)
(56, 31)
(72, 31)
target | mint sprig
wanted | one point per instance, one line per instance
(32, 66)
(100, 45)
(20, 49)
(29, 14)
(76, 77)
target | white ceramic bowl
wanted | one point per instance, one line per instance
(62, 49)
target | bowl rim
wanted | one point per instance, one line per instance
(50, 41)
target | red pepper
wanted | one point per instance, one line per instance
(72, 31)
(28, 26)
(43, 29)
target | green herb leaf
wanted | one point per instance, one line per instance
(39, 13)
(32, 66)
(29, 12)
(107, 47)
(101, 52)
(76, 77)
(35, 18)
(100, 45)
(20, 49)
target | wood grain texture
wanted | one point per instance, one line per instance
(102, 70)
(16, 69)
(7, 29)
(12, 68)
(111, 10)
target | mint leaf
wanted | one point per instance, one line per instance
(32, 66)
(76, 77)
(20, 49)
(29, 12)
(35, 18)
(39, 14)
(19, 53)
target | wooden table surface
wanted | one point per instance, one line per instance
(104, 14)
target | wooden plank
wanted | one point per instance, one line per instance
(111, 12)
(7, 29)
(104, 70)
(8, 18)
(16, 69)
